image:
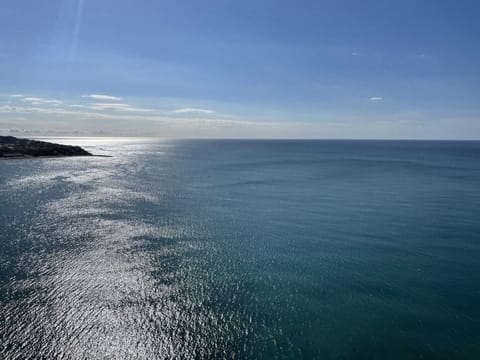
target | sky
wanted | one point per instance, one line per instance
(392, 69)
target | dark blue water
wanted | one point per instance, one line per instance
(242, 249)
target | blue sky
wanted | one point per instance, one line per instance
(322, 69)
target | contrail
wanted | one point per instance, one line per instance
(76, 29)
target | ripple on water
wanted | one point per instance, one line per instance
(194, 250)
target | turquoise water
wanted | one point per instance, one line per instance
(242, 249)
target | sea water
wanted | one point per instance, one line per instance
(245, 249)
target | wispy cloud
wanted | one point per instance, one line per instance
(376, 98)
(56, 110)
(102, 97)
(184, 121)
(44, 105)
(193, 111)
(115, 107)
(41, 101)
(121, 115)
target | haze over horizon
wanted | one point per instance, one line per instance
(255, 69)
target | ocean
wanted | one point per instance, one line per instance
(242, 249)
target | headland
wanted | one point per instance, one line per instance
(16, 148)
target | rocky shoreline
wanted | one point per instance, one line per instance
(15, 148)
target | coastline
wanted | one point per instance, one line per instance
(12, 148)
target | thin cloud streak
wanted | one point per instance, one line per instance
(193, 111)
(115, 107)
(41, 101)
(102, 97)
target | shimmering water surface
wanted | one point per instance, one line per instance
(242, 249)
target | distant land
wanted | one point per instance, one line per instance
(15, 148)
